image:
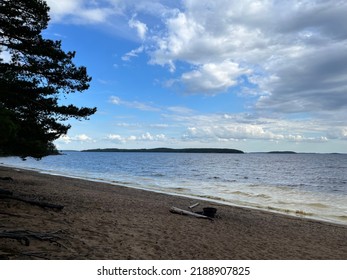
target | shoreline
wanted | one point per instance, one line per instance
(194, 197)
(270, 209)
(106, 221)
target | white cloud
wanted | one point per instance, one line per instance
(292, 51)
(231, 132)
(140, 27)
(116, 138)
(115, 100)
(64, 139)
(180, 110)
(212, 78)
(77, 138)
(339, 133)
(299, 43)
(149, 137)
(234, 132)
(80, 11)
(132, 53)
(296, 58)
(134, 104)
(212, 128)
(82, 138)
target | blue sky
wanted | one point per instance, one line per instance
(251, 75)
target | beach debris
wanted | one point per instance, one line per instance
(194, 205)
(5, 192)
(209, 211)
(23, 236)
(176, 210)
(6, 178)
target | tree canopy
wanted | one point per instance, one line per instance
(34, 74)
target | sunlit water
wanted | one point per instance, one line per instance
(307, 185)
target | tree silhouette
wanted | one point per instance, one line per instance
(33, 77)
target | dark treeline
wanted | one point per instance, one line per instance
(169, 150)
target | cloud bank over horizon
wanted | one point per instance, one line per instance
(286, 59)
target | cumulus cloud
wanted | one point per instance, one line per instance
(293, 52)
(339, 133)
(233, 131)
(212, 78)
(116, 138)
(81, 11)
(77, 138)
(212, 128)
(149, 137)
(140, 27)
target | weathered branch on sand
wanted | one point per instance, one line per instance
(176, 210)
(24, 240)
(23, 236)
(6, 178)
(5, 192)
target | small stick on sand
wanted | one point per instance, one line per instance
(194, 205)
(176, 210)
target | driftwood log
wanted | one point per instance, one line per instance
(6, 178)
(176, 210)
(5, 192)
(23, 236)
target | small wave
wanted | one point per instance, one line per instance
(318, 205)
(241, 193)
(229, 180)
(213, 198)
(116, 182)
(251, 194)
(214, 178)
(263, 196)
(178, 189)
(158, 175)
(342, 218)
(289, 211)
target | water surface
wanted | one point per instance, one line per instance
(308, 185)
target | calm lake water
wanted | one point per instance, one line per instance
(308, 185)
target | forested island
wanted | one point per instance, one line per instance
(169, 150)
(282, 152)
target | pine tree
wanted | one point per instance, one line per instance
(36, 75)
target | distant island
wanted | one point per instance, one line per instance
(169, 150)
(281, 152)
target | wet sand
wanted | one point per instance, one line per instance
(102, 221)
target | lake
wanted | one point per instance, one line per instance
(307, 185)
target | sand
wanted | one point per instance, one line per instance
(102, 221)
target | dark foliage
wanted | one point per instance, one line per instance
(169, 150)
(36, 74)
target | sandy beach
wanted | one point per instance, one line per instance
(102, 221)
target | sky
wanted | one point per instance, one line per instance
(249, 75)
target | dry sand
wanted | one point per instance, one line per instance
(101, 221)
